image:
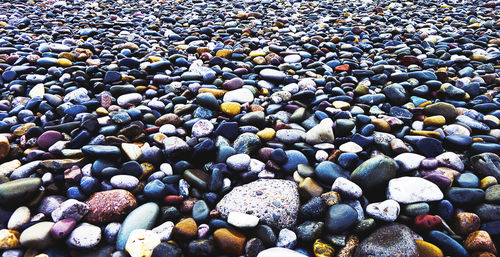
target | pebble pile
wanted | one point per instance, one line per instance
(257, 128)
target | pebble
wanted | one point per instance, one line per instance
(142, 242)
(318, 112)
(85, 236)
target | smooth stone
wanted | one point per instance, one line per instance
(409, 161)
(62, 228)
(241, 95)
(143, 217)
(387, 210)
(85, 236)
(340, 217)
(444, 109)
(142, 242)
(374, 172)
(37, 236)
(272, 74)
(465, 196)
(447, 244)
(19, 190)
(229, 241)
(18, 218)
(242, 220)
(238, 162)
(280, 251)
(412, 190)
(430, 147)
(294, 158)
(347, 188)
(327, 172)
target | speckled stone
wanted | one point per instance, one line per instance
(275, 202)
(110, 206)
(390, 240)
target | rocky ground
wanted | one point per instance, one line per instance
(251, 128)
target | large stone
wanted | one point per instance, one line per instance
(413, 190)
(374, 172)
(391, 240)
(275, 202)
(445, 109)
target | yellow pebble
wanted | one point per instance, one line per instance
(224, 53)
(230, 108)
(425, 104)
(492, 118)
(3, 24)
(426, 133)
(9, 239)
(66, 55)
(64, 62)
(477, 140)
(437, 121)
(322, 249)
(487, 182)
(154, 58)
(256, 53)
(426, 249)
(216, 92)
(147, 169)
(264, 91)
(266, 134)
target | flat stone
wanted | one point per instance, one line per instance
(143, 217)
(109, 206)
(389, 240)
(412, 190)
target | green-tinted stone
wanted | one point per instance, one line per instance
(37, 236)
(144, 217)
(197, 178)
(493, 194)
(416, 209)
(18, 191)
(441, 108)
(374, 172)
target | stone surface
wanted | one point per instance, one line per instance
(274, 202)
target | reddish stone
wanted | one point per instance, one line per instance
(110, 206)
(73, 174)
(152, 130)
(466, 222)
(480, 241)
(187, 205)
(172, 200)
(482, 254)
(426, 222)
(343, 67)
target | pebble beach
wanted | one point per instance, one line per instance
(255, 128)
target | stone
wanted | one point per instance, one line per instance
(322, 249)
(466, 222)
(447, 244)
(238, 162)
(390, 240)
(374, 172)
(340, 217)
(409, 161)
(446, 110)
(412, 190)
(166, 250)
(62, 228)
(347, 188)
(37, 236)
(280, 251)
(387, 210)
(427, 249)
(109, 206)
(141, 243)
(275, 202)
(143, 217)
(9, 239)
(487, 164)
(242, 220)
(19, 190)
(85, 236)
(321, 133)
(242, 95)
(7, 168)
(229, 241)
(4, 147)
(185, 229)
(18, 218)
(480, 240)
(286, 238)
(70, 208)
